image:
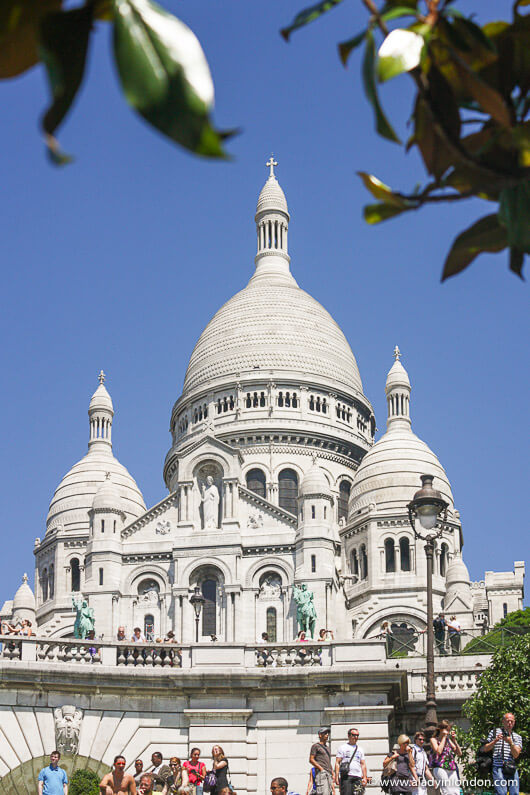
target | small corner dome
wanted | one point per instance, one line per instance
(389, 474)
(314, 482)
(272, 197)
(457, 571)
(24, 598)
(107, 496)
(101, 400)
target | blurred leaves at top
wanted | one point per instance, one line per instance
(162, 68)
(469, 119)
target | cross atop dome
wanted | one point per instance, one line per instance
(101, 377)
(397, 354)
(271, 162)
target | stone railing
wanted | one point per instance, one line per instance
(406, 642)
(54, 651)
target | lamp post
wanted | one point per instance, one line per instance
(197, 601)
(424, 509)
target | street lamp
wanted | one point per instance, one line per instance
(197, 601)
(424, 510)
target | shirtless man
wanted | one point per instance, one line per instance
(118, 782)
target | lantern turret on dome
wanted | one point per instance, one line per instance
(100, 412)
(75, 495)
(397, 391)
(272, 223)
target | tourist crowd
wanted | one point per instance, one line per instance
(408, 769)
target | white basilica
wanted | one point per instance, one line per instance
(274, 479)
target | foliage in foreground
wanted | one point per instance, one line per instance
(503, 687)
(469, 117)
(84, 782)
(161, 66)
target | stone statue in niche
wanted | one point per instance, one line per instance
(271, 586)
(255, 520)
(210, 503)
(163, 528)
(67, 728)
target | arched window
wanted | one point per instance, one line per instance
(51, 581)
(288, 490)
(149, 627)
(390, 557)
(404, 553)
(363, 562)
(504, 609)
(75, 575)
(44, 585)
(344, 497)
(354, 562)
(444, 551)
(256, 482)
(271, 624)
(209, 610)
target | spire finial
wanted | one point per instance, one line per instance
(397, 354)
(271, 162)
(25, 578)
(101, 377)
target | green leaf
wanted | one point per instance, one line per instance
(400, 52)
(487, 234)
(375, 213)
(516, 262)
(474, 32)
(398, 12)
(382, 124)
(19, 33)
(487, 97)
(437, 155)
(64, 38)
(514, 212)
(347, 47)
(381, 191)
(308, 15)
(411, 5)
(165, 76)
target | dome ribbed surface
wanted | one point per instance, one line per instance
(107, 496)
(397, 376)
(389, 474)
(24, 598)
(272, 197)
(75, 494)
(272, 326)
(101, 400)
(457, 571)
(314, 481)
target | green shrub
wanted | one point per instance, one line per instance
(84, 782)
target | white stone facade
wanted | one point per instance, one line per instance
(274, 480)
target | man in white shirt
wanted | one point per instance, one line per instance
(350, 765)
(453, 630)
(422, 764)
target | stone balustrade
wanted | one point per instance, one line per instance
(55, 651)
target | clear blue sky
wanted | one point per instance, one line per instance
(119, 261)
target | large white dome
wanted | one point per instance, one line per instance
(272, 325)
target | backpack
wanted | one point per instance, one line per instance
(484, 761)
